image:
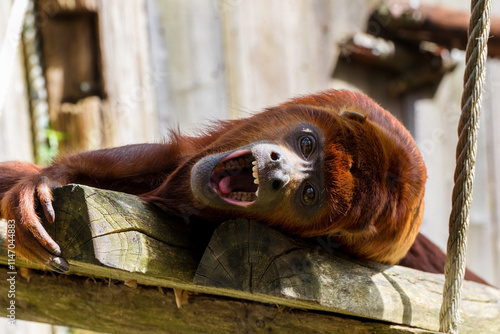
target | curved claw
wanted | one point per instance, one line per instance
(32, 240)
(48, 210)
(44, 238)
(58, 264)
(44, 191)
(33, 251)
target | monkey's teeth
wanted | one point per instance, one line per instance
(242, 196)
(237, 168)
(255, 174)
(238, 163)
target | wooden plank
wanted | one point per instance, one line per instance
(404, 20)
(15, 124)
(278, 49)
(128, 77)
(90, 54)
(168, 115)
(110, 306)
(109, 229)
(407, 63)
(51, 7)
(195, 62)
(480, 244)
(72, 64)
(108, 234)
(254, 258)
(436, 114)
(491, 158)
(71, 56)
(82, 124)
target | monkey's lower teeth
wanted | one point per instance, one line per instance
(240, 196)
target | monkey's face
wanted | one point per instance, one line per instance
(285, 173)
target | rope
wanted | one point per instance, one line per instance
(476, 53)
(10, 46)
(37, 89)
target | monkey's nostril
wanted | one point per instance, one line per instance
(275, 156)
(276, 184)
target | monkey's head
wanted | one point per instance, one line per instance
(280, 172)
(336, 165)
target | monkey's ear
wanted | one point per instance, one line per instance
(356, 116)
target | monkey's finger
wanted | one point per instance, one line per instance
(44, 238)
(31, 222)
(45, 197)
(29, 248)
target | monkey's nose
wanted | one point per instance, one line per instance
(279, 181)
(277, 184)
(275, 156)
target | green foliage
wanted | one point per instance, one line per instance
(47, 151)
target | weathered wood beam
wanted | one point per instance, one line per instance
(412, 66)
(443, 26)
(110, 306)
(251, 257)
(100, 230)
(114, 235)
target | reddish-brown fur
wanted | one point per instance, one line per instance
(374, 174)
(391, 180)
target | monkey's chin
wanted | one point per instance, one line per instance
(226, 180)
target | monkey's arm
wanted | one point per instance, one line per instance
(134, 169)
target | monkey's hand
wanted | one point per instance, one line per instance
(29, 187)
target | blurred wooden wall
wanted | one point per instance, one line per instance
(176, 63)
(98, 72)
(435, 114)
(272, 51)
(15, 123)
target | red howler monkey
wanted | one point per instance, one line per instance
(333, 163)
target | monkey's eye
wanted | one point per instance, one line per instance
(306, 145)
(308, 195)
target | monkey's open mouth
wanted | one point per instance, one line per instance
(235, 178)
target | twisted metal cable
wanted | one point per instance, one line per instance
(476, 54)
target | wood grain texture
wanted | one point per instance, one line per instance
(110, 306)
(114, 235)
(254, 258)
